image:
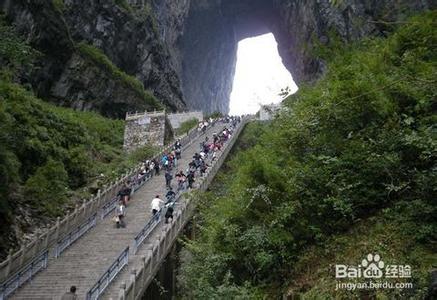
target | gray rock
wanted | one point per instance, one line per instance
(183, 51)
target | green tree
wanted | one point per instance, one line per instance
(47, 189)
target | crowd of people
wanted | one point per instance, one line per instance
(168, 163)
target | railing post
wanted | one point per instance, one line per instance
(122, 292)
(46, 240)
(8, 266)
(22, 248)
(58, 220)
(133, 280)
(143, 276)
(151, 261)
(84, 202)
(99, 198)
(68, 222)
(36, 246)
(76, 211)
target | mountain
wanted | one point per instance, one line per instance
(97, 54)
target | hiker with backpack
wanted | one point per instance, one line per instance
(124, 193)
(168, 178)
(190, 178)
(169, 212)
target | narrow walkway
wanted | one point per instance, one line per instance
(87, 259)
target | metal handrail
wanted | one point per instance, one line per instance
(141, 236)
(140, 181)
(107, 277)
(109, 207)
(112, 204)
(143, 276)
(75, 235)
(24, 275)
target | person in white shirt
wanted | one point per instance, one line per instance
(156, 204)
(120, 212)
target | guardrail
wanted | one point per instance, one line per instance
(141, 236)
(140, 181)
(24, 275)
(15, 261)
(145, 113)
(109, 207)
(148, 228)
(140, 278)
(75, 235)
(109, 275)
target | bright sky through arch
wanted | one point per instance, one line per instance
(259, 75)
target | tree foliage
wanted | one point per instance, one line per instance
(360, 141)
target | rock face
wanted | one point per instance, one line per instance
(83, 85)
(213, 29)
(303, 22)
(183, 51)
(127, 37)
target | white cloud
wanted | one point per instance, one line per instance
(259, 75)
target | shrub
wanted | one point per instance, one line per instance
(187, 126)
(47, 188)
(360, 141)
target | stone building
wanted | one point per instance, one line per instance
(153, 128)
(148, 128)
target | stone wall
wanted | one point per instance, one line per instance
(144, 129)
(177, 119)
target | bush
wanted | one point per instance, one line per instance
(360, 141)
(187, 126)
(47, 188)
(15, 53)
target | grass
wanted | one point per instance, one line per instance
(59, 5)
(186, 126)
(384, 234)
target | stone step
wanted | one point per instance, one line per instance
(89, 257)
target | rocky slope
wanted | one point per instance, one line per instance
(183, 51)
(128, 38)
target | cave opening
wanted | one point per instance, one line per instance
(213, 34)
(259, 75)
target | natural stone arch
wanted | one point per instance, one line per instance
(212, 29)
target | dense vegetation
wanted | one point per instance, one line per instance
(48, 154)
(186, 126)
(347, 168)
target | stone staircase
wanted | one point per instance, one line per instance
(87, 259)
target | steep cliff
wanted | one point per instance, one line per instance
(129, 45)
(213, 29)
(184, 52)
